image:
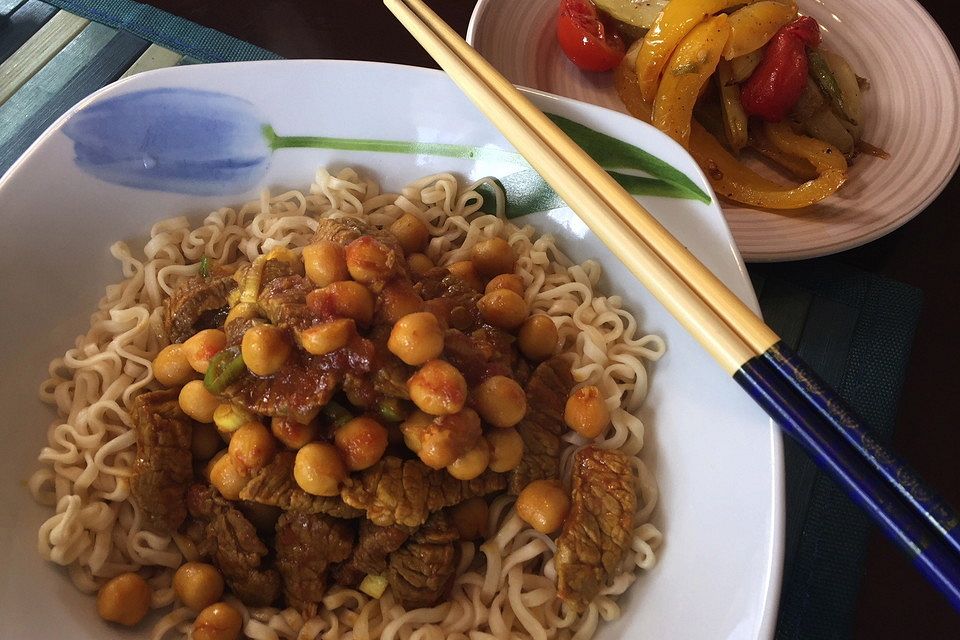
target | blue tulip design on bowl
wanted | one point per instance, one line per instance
(208, 143)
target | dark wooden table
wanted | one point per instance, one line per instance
(895, 602)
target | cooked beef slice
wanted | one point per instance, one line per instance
(420, 574)
(448, 297)
(483, 353)
(275, 485)
(598, 530)
(163, 468)
(343, 231)
(438, 529)
(306, 545)
(540, 429)
(284, 301)
(405, 492)
(232, 542)
(195, 302)
(370, 554)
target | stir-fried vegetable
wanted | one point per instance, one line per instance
(374, 586)
(755, 24)
(336, 414)
(735, 123)
(689, 69)
(776, 85)
(585, 39)
(225, 368)
(204, 269)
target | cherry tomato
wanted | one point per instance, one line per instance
(776, 85)
(585, 39)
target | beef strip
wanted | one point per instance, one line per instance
(306, 545)
(421, 571)
(540, 429)
(484, 353)
(275, 485)
(450, 298)
(343, 231)
(405, 492)
(598, 530)
(370, 554)
(303, 384)
(232, 543)
(163, 468)
(284, 301)
(196, 304)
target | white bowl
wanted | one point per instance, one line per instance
(912, 111)
(716, 455)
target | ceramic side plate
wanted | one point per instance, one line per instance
(912, 111)
(111, 167)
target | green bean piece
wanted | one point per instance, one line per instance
(827, 82)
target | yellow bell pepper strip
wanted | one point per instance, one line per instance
(689, 69)
(752, 26)
(744, 66)
(734, 181)
(822, 155)
(628, 88)
(678, 19)
(798, 168)
(734, 117)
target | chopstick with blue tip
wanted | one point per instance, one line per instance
(733, 335)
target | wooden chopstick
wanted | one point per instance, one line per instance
(777, 380)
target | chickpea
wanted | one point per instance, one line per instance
(319, 470)
(369, 260)
(344, 299)
(198, 585)
(438, 388)
(538, 337)
(543, 504)
(466, 270)
(171, 367)
(470, 518)
(205, 441)
(509, 281)
(201, 347)
(325, 262)
(416, 338)
(219, 621)
(472, 463)
(419, 263)
(493, 257)
(503, 308)
(265, 348)
(506, 449)
(197, 402)
(586, 412)
(500, 401)
(361, 442)
(252, 447)
(291, 433)
(448, 438)
(328, 336)
(228, 477)
(410, 232)
(413, 429)
(398, 299)
(125, 599)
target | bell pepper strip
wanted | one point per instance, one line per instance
(743, 66)
(734, 117)
(628, 88)
(734, 181)
(678, 19)
(689, 69)
(776, 85)
(755, 24)
(798, 168)
(823, 156)
(224, 369)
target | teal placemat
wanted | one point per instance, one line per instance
(854, 328)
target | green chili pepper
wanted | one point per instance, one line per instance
(224, 369)
(391, 409)
(204, 267)
(820, 71)
(336, 414)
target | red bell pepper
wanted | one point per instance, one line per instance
(775, 86)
